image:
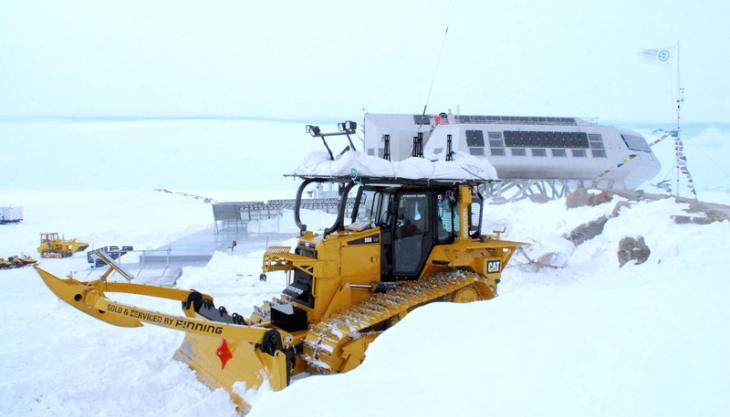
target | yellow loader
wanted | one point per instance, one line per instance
(53, 246)
(404, 243)
(27, 260)
(17, 262)
(5, 264)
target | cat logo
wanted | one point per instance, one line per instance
(494, 267)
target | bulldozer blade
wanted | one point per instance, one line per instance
(73, 293)
(238, 367)
(238, 358)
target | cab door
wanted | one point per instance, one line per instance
(412, 241)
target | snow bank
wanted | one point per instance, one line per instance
(357, 164)
(588, 339)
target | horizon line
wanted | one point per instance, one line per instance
(138, 118)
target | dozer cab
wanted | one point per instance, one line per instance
(53, 246)
(395, 245)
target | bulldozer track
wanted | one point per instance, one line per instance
(54, 254)
(324, 343)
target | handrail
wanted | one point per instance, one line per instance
(340, 210)
(298, 202)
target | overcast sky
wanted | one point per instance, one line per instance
(329, 60)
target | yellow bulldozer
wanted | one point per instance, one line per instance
(395, 245)
(53, 246)
(17, 262)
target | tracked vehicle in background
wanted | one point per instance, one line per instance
(17, 262)
(54, 246)
(406, 243)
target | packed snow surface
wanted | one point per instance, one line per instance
(358, 164)
(588, 338)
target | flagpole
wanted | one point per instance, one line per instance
(679, 104)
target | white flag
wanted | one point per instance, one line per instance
(658, 56)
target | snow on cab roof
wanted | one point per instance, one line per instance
(357, 164)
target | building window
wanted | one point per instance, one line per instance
(558, 152)
(474, 138)
(497, 151)
(475, 142)
(539, 152)
(598, 153)
(635, 143)
(518, 152)
(579, 153)
(595, 141)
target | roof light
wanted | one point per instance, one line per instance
(347, 126)
(312, 130)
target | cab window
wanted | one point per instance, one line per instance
(448, 218)
(368, 208)
(384, 210)
(371, 211)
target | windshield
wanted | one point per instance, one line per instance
(636, 143)
(372, 210)
(372, 207)
(368, 207)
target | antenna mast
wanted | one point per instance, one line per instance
(438, 61)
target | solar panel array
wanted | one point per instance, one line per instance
(518, 120)
(420, 119)
(521, 139)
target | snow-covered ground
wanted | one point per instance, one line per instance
(56, 362)
(589, 338)
(146, 219)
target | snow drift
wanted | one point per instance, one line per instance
(357, 164)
